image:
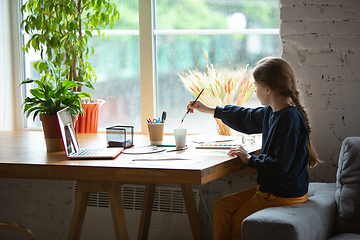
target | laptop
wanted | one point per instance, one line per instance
(71, 145)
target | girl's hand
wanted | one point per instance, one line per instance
(241, 153)
(200, 106)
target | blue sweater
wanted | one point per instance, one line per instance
(282, 164)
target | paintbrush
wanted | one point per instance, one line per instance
(192, 105)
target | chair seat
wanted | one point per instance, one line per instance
(313, 220)
(346, 236)
(332, 212)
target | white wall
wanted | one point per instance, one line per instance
(43, 206)
(321, 40)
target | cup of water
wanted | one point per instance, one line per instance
(180, 138)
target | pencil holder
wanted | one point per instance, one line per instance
(156, 132)
(120, 136)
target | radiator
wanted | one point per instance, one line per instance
(169, 218)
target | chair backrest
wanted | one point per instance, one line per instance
(347, 193)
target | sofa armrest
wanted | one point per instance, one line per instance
(313, 220)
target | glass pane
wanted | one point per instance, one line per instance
(30, 72)
(215, 14)
(129, 15)
(177, 54)
(116, 63)
(180, 53)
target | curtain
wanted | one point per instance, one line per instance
(11, 117)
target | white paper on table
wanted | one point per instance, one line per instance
(212, 138)
(164, 157)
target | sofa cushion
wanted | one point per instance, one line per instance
(347, 193)
(313, 220)
(346, 236)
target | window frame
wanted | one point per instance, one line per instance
(147, 48)
(148, 32)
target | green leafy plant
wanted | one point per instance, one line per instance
(61, 28)
(52, 93)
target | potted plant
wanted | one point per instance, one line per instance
(52, 93)
(60, 29)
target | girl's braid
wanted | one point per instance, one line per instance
(295, 98)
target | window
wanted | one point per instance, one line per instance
(233, 32)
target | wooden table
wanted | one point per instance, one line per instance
(23, 155)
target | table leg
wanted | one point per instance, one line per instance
(192, 212)
(116, 205)
(77, 220)
(117, 211)
(146, 211)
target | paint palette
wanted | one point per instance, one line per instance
(216, 146)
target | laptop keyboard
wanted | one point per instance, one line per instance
(88, 151)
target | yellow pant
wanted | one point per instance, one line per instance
(231, 210)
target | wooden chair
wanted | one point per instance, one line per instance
(19, 228)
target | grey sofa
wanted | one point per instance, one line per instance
(332, 212)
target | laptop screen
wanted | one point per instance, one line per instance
(67, 131)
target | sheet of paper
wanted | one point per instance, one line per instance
(207, 152)
(211, 138)
(163, 157)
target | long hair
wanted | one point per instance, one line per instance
(276, 74)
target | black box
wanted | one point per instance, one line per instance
(120, 136)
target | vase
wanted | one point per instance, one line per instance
(88, 122)
(222, 128)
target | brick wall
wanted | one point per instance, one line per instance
(43, 206)
(321, 41)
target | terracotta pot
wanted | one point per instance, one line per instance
(52, 133)
(88, 122)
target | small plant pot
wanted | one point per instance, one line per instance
(52, 133)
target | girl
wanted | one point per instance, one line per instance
(286, 150)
